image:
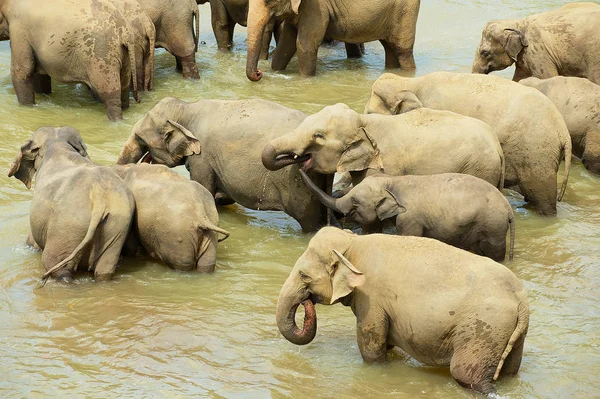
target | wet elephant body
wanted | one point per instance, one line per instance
(80, 212)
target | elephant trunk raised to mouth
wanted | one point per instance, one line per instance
(258, 18)
(329, 202)
(287, 304)
(273, 159)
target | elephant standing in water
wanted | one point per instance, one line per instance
(393, 22)
(174, 23)
(175, 220)
(87, 41)
(67, 181)
(530, 129)
(432, 206)
(232, 135)
(441, 305)
(564, 42)
(578, 100)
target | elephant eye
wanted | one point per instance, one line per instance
(304, 276)
(318, 135)
(485, 53)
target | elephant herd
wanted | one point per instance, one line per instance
(430, 154)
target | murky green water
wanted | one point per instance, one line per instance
(155, 333)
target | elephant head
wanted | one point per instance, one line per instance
(322, 274)
(31, 156)
(390, 97)
(260, 13)
(160, 137)
(367, 202)
(500, 45)
(332, 140)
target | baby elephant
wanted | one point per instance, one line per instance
(80, 212)
(460, 210)
(176, 219)
(578, 100)
(441, 305)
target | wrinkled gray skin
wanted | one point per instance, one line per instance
(578, 100)
(80, 212)
(144, 35)
(441, 305)
(174, 23)
(338, 139)
(392, 22)
(223, 152)
(176, 219)
(564, 42)
(530, 129)
(458, 209)
(87, 41)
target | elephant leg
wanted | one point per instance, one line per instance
(355, 50)
(131, 245)
(391, 59)
(512, 363)
(207, 256)
(53, 254)
(371, 335)
(286, 47)
(591, 152)
(31, 242)
(310, 36)
(42, 84)
(106, 263)
(109, 91)
(403, 39)
(492, 248)
(472, 371)
(266, 40)
(22, 69)
(220, 21)
(539, 186)
(178, 66)
(189, 69)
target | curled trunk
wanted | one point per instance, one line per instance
(293, 293)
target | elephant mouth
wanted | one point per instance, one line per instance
(146, 158)
(291, 158)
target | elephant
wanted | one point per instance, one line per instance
(145, 36)
(393, 22)
(338, 139)
(80, 212)
(563, 42)
(530, 129)
(231, 135)
(73, 42)
(176, 219)
(174, 24)
(441, 305)
(433, 206)
(578, 100)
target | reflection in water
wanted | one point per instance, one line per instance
(158, 333)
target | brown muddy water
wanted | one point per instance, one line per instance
(156, 333)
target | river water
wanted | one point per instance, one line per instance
(156, 333)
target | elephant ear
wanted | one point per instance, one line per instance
(345, 277)
(180, 141)
(389, 206)
(405, 101)
(515, 42)
(296, 5)
(361, 154)
(23, 167)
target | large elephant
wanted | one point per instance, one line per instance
(87, 41)
(530, 129)
(564, 42)
(338, 139)
(393, 22)
(432, 206)
(80, 212)
(232, 135)
(176, 219)
(174, 23)
(441, 305)
(578, 100)
(144, 35)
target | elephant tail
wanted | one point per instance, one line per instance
(503, 167)
(208, 225)
(130, 47)
(97, 217)
(197, 21)
(567, 148)
(149, 67)
(511, 224)
(520, 331)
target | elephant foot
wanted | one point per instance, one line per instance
(189, 69)
(210, 268)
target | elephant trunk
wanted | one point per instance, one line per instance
(332, 203)
(132, 152)
(287, 304)
(258, 18)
